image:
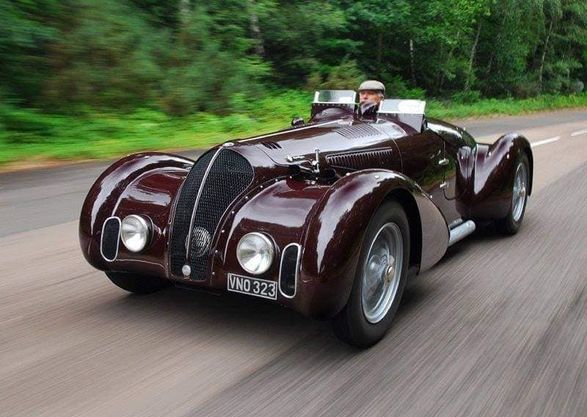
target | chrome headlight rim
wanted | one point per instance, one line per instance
(269, 256)
(144, 229)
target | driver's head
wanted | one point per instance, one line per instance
(371, 91)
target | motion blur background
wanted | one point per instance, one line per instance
(92, 79)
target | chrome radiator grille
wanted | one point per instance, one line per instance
(213, 188)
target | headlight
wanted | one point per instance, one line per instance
(255, 253)
(135, 233)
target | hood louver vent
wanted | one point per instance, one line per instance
(271, 145)
(359, 131)
(361, 160)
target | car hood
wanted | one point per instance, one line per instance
(301, 143)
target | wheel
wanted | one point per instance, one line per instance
(137, 284)
(379, 280)
(512, 222)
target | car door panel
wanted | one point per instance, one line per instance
(423, 160)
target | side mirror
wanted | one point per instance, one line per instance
(297, 122)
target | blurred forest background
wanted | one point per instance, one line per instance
(121, 75)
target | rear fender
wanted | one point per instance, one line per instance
(334, 238)
(491, 193)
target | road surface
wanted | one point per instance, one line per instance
(498, 328)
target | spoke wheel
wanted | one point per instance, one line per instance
(519, 194)
(381, 272)
(520, 189)
(380, 278)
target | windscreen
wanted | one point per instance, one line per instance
(410, 112)
(402, 107)
(335, 96)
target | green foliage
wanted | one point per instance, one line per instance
(508, 106)
(183, 57)
(220, 65)
(346, 76)
(29, 134)
(104, 58)
(27, 29)
(305, 38)
(467, 97)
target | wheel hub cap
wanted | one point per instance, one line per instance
(519, 192)
(382, 272)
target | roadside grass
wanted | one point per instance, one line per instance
(504, 107)
(33, 136)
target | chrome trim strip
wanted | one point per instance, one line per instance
(461, 231)
(202, 184)
(297, 270)
(117, 240)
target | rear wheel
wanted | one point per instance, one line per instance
(379, 280)
(512, 222)
(137, 284)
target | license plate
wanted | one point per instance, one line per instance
(252, 286)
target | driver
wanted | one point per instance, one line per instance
(371, 93)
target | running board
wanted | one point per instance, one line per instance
(461, 231)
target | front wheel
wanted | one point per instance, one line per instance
(379, 280)
(137, 284)
(512, 222)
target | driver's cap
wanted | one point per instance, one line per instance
(372, 85)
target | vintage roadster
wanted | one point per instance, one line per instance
(330, 218)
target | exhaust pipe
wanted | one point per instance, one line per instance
(461, 231)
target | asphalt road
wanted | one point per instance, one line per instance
(498, 328)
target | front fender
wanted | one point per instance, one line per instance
(334, 237)
(142, 183)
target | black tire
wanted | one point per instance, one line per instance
(351, 324)
(137, 284)
(509, 225)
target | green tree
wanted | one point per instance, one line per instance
(27, 30)
(104, 57)
(306, 38)
(186, 56)
(565, 39)
(212, 60)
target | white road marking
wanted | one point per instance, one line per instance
(545, 141)
(579, 133)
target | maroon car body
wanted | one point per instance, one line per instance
(311, 188)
